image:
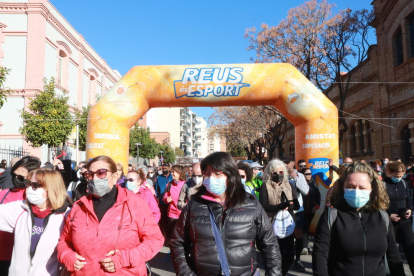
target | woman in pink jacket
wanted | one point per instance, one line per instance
(171, 195)
(110, 231)
(136, 183)
(36, 224)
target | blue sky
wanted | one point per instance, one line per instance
(165, 32)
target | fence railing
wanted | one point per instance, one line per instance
(9, 153)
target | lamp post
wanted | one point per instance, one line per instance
(138, 144)
(161, 152)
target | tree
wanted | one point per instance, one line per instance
(48, 120)
(82, 120)
(148, 148)
(3, 92)
(235, 149)
(178, 151)
(319, 44)
(168, 153)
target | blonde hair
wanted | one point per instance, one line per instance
(379, 198)
(52, 182)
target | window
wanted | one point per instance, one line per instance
(411, 32)
(399, 54)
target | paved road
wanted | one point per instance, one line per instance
(161, 265)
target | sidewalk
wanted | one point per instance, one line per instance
(161, 265)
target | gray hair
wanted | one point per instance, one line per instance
(143, 168)
(272, 166)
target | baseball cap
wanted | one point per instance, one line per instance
(255, 165)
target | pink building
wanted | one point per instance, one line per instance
(37, 42)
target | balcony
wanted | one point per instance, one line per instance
(184, 132)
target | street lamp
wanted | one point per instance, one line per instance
(138, 144)
(161, 152)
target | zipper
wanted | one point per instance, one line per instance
(365, 245)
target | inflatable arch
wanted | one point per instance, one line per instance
(314, 116)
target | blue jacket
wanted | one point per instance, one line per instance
(160, 185)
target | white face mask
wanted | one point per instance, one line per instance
(35, 197)
(151, 174)
(159, 172)
(198, 179)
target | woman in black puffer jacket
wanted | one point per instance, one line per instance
(239, 216)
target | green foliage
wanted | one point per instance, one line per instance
(3, 92)
(148, 148)
(48, 120)
(178, 151)
(82, 119)
(236, 150)
(168, 153)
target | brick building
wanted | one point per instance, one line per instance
(382, 108)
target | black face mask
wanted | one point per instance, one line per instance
(165, 172)
(19, 182)
(277, 178)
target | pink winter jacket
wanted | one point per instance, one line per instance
(7, 239)
(140, 238)
(146, 195)
(174, 192)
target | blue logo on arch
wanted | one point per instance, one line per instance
(320, 169)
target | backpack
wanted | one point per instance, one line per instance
(333, 214)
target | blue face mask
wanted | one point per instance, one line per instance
(243, 181)
(395, 179)
(356, 198)
(131, 186)
(215, 186)
(259, 174)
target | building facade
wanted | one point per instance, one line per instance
(179, 122)
(201, 137)
(37, 42)
(380, 102)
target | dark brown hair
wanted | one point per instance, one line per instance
(181, 171)
(395, 166)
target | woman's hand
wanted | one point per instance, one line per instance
(79, 264)
(408, 214)
(169, 199)
(107, 264)
(395, 217)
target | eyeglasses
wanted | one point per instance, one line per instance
(132, 179)
(101, 174)
(307, 174)
(217, 174)
(276, 173)
(34, 185)
(243, 176)
(197, 175)
(302, 166)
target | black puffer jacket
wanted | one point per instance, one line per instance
(193, 248)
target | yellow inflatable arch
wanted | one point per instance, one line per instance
(314, 116)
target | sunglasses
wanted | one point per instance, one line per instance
(101, 174)
(276, 173)
(302, 166)
(132, 179)
(197, 175)
(20, 177)
(243, 176)
(307, 174)
(34, 185)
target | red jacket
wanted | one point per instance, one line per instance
(146, 195)
(7, 239)
(174, 192)
(140, 238)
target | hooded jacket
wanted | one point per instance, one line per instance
(243, 227)
(16, 217)
(7, 239)
(128, 226)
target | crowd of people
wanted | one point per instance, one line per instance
(213, 215)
